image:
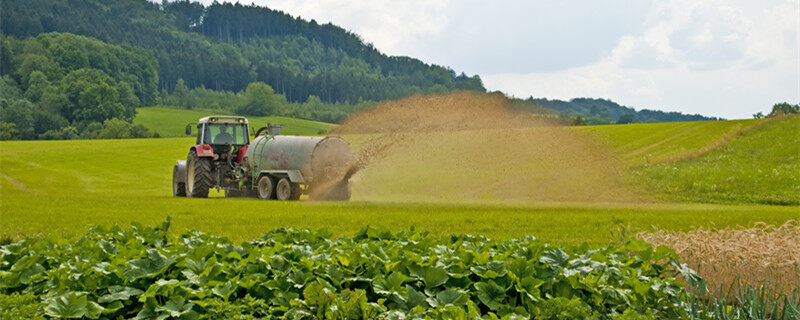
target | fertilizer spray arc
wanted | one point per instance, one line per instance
(271, 166)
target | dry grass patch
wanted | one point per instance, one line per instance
(732, 258)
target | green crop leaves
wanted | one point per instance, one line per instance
(144, 273)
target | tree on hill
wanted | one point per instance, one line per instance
(260, 100)
(783, 108)
(626, 118)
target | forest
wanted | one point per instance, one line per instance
(227, 46)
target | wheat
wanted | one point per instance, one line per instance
(734, 258)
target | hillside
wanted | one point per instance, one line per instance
(641, 144)
(762, 165)
(227, 46)
(171, 122)
(602, 111)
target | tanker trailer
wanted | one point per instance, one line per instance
(284, 167)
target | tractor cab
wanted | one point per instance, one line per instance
(221, 130)
(222, 133)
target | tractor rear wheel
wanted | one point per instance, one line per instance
(286, 190)
(266, 187)
(178, 187)
(198, 176)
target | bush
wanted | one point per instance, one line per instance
(115, 129)
(65, 133)
(8, 131)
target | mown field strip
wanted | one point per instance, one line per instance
(650, 143)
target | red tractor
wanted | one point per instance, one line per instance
(272, 166)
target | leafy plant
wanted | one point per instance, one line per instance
(142, 272)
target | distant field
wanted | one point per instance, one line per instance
(171, 122)
(650, 143)
(63, 187)
(760, 166)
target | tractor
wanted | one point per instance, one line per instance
(271, 166)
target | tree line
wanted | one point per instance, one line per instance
(259, 99)
(593, 111)
(225, 47)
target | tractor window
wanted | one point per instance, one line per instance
(223, 133)
(199, 133)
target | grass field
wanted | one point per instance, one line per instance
(760, 166)
(171, 122)
(63, 187)
(652, 143)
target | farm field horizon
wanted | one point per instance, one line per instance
(107, 182)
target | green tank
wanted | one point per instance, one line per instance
(285, 167)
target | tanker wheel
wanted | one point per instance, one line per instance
(198, 176)
(286, 190)
(178, 187)
(266, 188)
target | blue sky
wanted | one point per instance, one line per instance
(719, 58)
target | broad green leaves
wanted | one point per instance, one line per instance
(155, 263)
(143, 273)
(72, 305)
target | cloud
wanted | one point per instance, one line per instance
(712, 57)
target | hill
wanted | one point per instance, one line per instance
(641, 144)
(762, 165)
(171, 122)
(602, 111)
(225, 46)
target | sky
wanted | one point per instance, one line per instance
(728, 58)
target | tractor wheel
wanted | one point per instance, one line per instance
(178, 187)
(286, 190)
(266, 187)
(198, 176)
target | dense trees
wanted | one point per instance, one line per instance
(602, 111)
(224, 47)
(54, 81)
(276, 104)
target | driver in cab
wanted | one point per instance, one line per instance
(224, 136)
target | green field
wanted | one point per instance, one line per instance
(651, 143)
(760, 166)
(63, 187)
(171, 122)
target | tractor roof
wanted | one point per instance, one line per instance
(224, 119)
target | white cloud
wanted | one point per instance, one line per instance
(711, 57)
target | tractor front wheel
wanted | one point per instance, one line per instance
(198, 176)
(286, 190)
(178, 186)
